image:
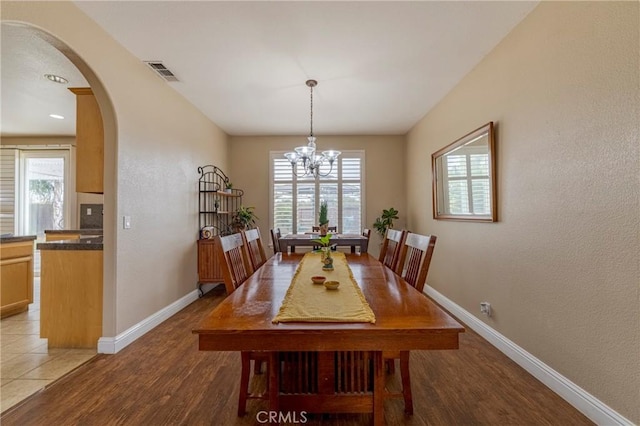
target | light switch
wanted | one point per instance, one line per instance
(126, 222)
(88, 211)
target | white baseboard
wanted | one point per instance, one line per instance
(583, 401)
(112, 345)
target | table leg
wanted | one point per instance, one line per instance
(274, 381)
(378, 389)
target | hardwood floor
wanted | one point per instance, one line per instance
(162, 379)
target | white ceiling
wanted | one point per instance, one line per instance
(381, 66)
(27, 96)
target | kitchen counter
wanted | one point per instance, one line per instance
(5, 239)
(87, 242)
(84, 231)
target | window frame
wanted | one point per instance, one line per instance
(22, 211)
(273, 155)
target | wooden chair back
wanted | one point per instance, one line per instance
(367, 234)
(390, 251)
(275, 239)
(234, 261)
(333, 229)
(253, 241)
(415, 258)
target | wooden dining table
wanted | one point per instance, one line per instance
(405, 320)
(306, 240)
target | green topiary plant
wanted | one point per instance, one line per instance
(385, 221)
(323, 217)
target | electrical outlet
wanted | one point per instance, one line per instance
(88, 211)
(485, 308)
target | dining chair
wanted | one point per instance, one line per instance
(391, 245)
(275, 239)
(413, 267)
(315, 229)
(253, 241)
(333, 229)
(415, 258)
(236, 268)
(367, 234)
(233, 256)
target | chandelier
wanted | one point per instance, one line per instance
(306, 157)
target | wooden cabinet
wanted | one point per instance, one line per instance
(71, 298)
(16, 266)
(208, 265)
(89, 142)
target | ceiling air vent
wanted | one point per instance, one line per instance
(161, 70)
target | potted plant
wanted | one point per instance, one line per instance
(228, 186)
(244, 218)
(323, 217)
(325, 248)
(385, 221)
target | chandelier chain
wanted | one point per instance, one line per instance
(311, 131)
(306, 156)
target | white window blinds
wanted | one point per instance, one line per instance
(295, 200)
(8, 165)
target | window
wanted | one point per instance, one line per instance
(295, 200)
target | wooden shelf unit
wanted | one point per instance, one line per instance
(216, 206)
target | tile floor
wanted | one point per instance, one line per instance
(27, 365)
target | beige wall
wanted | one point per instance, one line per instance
(151, 161)
(384, 165)
(560, 268)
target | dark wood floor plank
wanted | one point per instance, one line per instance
(162, 379)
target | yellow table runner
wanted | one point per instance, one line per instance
(308, 302)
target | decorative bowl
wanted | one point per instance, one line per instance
(332, 285)
(319, 279)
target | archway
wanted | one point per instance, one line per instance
(110, 173)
